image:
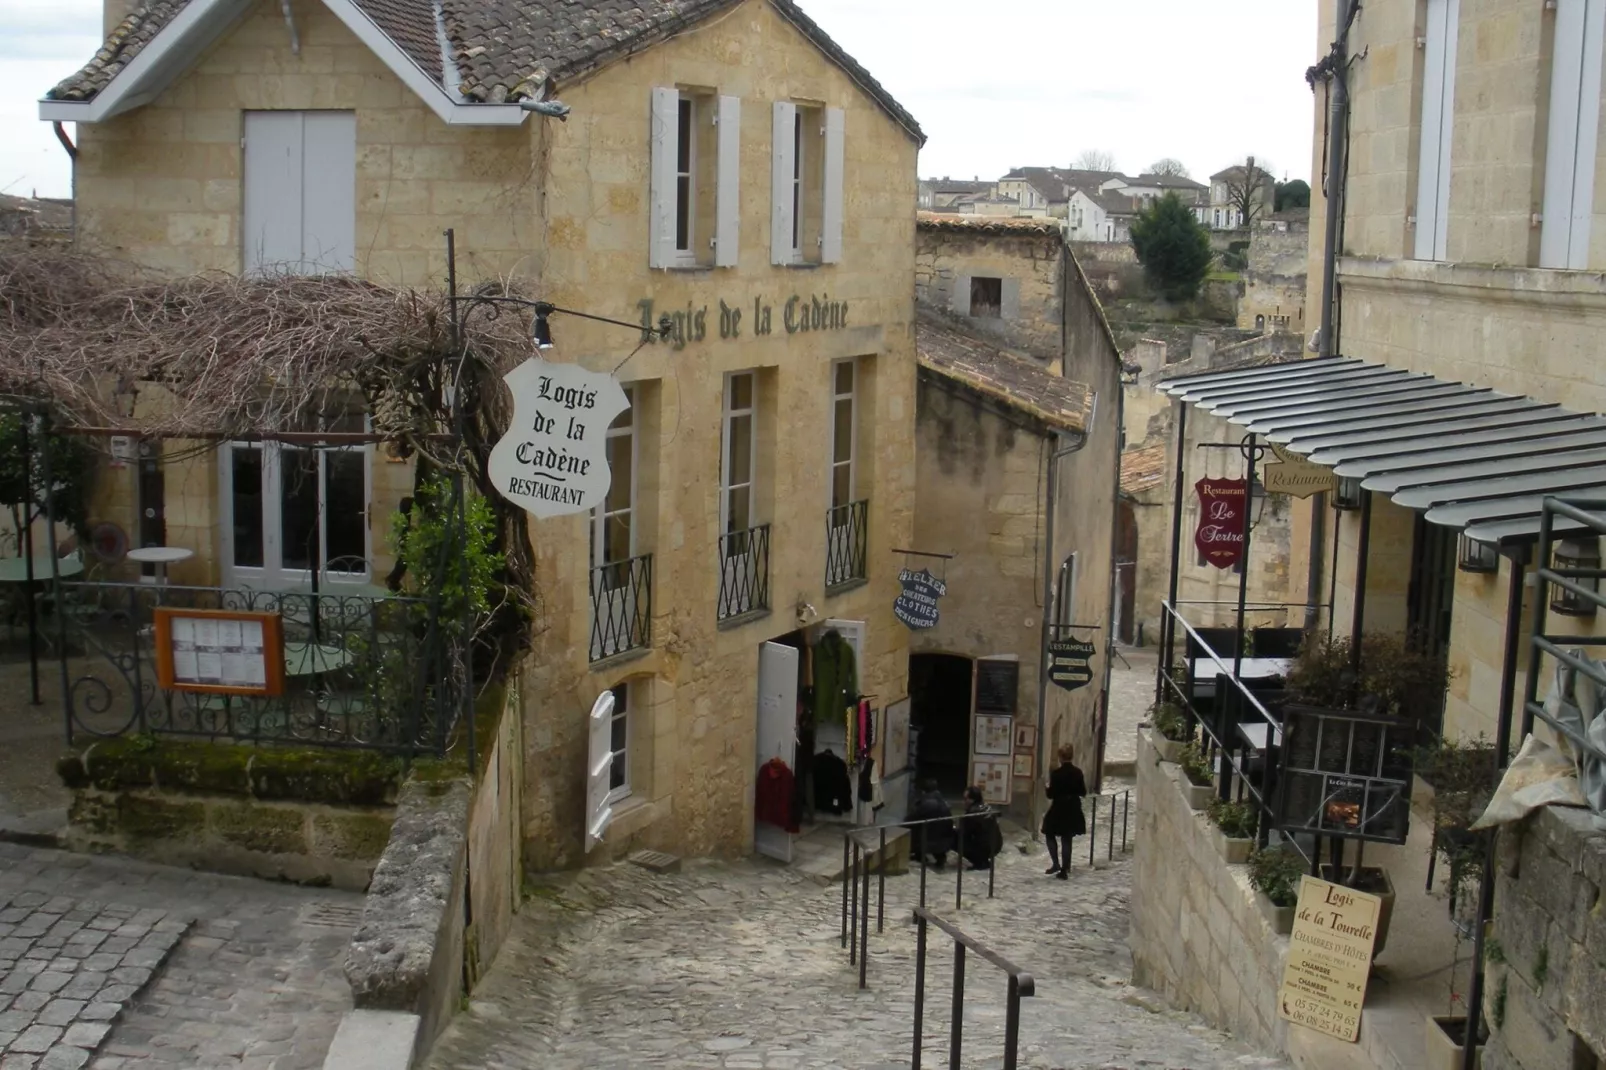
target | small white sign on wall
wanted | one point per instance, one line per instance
(553, 460)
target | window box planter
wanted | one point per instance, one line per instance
(1375, 880)
(1445, 1035)
(1170, 749)
(1199, 795)
(1281, 919)
(1233, 851)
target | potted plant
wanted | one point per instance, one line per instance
(1274, 875)
(1200, 787)
(1234, 829)
(1171, 729)
(1462, 774)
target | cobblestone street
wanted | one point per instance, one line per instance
(252, 983)
(740, 966)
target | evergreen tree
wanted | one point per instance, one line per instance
(1295, 194)
(1173, 248)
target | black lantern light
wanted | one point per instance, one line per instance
(542, 328)
(1347, 495)
(1576, 555)
(1475, 555)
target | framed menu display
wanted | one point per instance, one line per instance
(219, 651)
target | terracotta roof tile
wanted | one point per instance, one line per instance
(505, 50)
(1142, 468)
(987, 224)
(1023, 384)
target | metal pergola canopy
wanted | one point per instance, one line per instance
(1331, 450)
(1389, 451)
(1511, 485)
(1451, 475)
(1183, 384)
(1232, 397)
(1465, 514)
(1316, 415)
(1538, 447)
(1337, 399)
(1309, 436)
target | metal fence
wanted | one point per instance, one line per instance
(359, 671)
(847, 540)
(621, 607)
(744, 572)
(1021, 986)
(1583, 584)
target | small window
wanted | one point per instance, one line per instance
(737, 471)
(693, 195)
(619, 743)
(808, 177)
(685, 175)
(986, 297)
(844, 401)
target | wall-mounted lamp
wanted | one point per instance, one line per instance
(1475, 555)
(541, 330)
(1570, 555)
(1348, 493)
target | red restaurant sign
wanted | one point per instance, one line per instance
(1220, 536)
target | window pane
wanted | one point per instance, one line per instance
(619, 461)
(347, 509)
(616, 773)
(842, 424)
(739, 462)
(737, 516)
(246, 467)
(299, 506)
(841, 487)
(844, 377)
(683, 138)
(619, 740)
(683, 213)
(616, 541)
(626, 418)
(741, 391)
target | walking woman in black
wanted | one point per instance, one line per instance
(1064, 820)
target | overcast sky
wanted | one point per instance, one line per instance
(995, 86)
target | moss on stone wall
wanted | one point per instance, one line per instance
(334, 777)
(361, 837)
(269, 829)
(145, 818)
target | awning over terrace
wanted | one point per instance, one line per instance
(1467, 457)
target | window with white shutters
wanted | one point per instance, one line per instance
(1575, 79)
(806, 188)
(694, 199)
(300, 189)
(1438, 122)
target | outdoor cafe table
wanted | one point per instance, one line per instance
(1205, 671)
(1255, 734)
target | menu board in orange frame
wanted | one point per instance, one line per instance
(219, 651)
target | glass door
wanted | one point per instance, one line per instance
(292, 510)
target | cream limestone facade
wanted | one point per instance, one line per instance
(1481, 310)
(565, 210)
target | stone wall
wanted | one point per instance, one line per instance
(1198, 935)
(1029, 266)
(1545, 989)
(1274, 280)
(311, 819)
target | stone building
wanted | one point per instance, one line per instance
(1275, 275)
(1003, 388)
(764, 470)
(1463, 391)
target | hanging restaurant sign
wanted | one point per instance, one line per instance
(916, 605)
(1220, 535)
(1070, 662)
(553, 459)
(1293, 475)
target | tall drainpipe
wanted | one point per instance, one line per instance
(1337, 174)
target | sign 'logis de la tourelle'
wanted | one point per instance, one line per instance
(553, 459)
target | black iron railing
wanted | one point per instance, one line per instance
(621, 607)
(385, 674)
(744, 572)
(1021, 986)
(1583, 584)
(847, 541)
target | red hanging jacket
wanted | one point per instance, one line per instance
(772, 801)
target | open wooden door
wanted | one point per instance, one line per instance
(777, 733)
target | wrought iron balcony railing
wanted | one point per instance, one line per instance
(847, 539)
(621, 607)
(744, 572)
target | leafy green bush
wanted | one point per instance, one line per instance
(1394, 679)
(1275, 873)
(1169, 720)
(1173, 248)
(1195, 766)
(1236, 820)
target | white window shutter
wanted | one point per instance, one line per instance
(1438, 123)
(599, 763)
(661, 209)
(831, 216)
(271, 219)
(1588, 133)
(727, 229)
(959, 297)
(781, 157)
(329, 192)
(1572, 136)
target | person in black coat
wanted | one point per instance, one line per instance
(983, 838)
(938, 836)
(1064, 820)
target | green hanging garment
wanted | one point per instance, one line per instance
(836, 678)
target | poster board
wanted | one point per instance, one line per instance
(992, 775)
(219, 651)
(1329, 958)
(895, 742)
(993, 735)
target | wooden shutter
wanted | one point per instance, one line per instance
(599, 764)
(1438, 122)
(1572, 135)
(329, 192)
(727, 228)
(1009, 299)
(959, 299)
(661, 211)
(831, 214)
(271, 216)
(781, 157)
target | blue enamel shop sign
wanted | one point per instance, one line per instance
(917, 605)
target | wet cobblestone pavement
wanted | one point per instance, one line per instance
(740, 966)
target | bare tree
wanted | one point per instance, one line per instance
(1094, 160)
(1250, 191)
(1169, 166)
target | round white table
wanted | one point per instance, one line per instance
(161, 557)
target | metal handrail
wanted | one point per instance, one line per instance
(1021, 986)
(1592, 514)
